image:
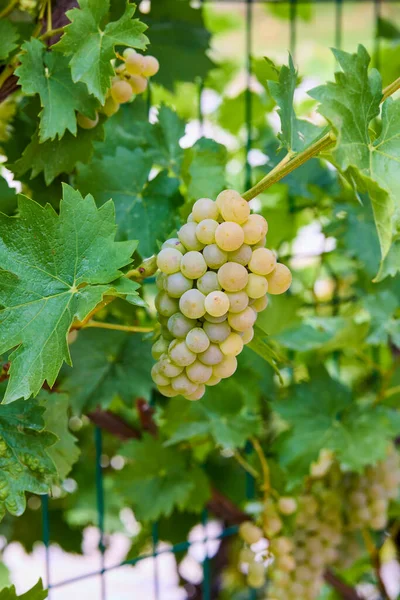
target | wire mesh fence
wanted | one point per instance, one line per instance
(341, 10)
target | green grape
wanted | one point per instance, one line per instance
(193, 265)
(236, 209)
(214, 256)
(87, 123)
(213, 380)
(226, 367)
(199, 393)
(179, 325)
(192, 304)
(134, 63)
(287, 505)
(243, 320)
(182, 384)
(159, 378)
(233, 345)
(205, 208)
(205, 231)
(174, 243)
(247, 335)
(227, 196)
(168, 368)
(233, 277)
(161, 277)
(211, 319)
(121, 91)
(250, 533)
(238, 301)
(197, 340)
(254, 229)
(217, 332)
(279, 279)
(138, 84)
(262, 261)
(242, 255)
(259, 304)
(216, 304)
(257, 286)
(169, 260)
(110, 107)
(211, 356)
(165, 305)
(159, 348)
(256, 575)
(199, 372)
(180, 354)
(208, 283)
(188, 237)
(150, 66)
(229, 236)
(177, 284)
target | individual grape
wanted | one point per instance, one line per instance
(227, 196)
(282, 545)
(159, 348)
(262, 261)
(229, 236)
(214, 380)
(243, 320)
(236, 209)
(238, 301)
(257, 286)
(167, 390)
(168, 368)
(150, 66)
(134, 63)
(211, 319)
(279, 280)
(199, 372)
(260, 304)
(174, 243)
(165, 305)
(161, 277)
(256, 575)
(250, 533)
(199, 393)
(129, 52)
(169, 260)
(180, 354)
(193, 265)
(233, 277)
(190, 218)
(208, 283)
(226, 367)
(242, 255)
(179, 325)
(182, 384)
(287, 505)
(261, 244)
(233, 345)
(177, 284)
(205, 231)
(287, 563)
(214, 256)
(217, 332)
(246, 555)
(138, 84)
(217, 303)
(247, 335)
(211, 356)
(197, 340)
(121, 91)
(205, 208)
(159, 378)
(192, 304)
(110, 107)
(254, 229)
(188, 237)
(85, 122)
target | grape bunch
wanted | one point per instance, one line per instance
(369, 494)
(131, 78)
(213, 280)
(252, 559)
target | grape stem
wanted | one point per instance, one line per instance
(264, 465)
(116, 327)
(245, 465)
(8, 9)
(292, 161)
(373, 552)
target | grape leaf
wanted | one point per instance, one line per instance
(8, 198)
(180, 40)
(92, 45)
(391, 264)
(25, 463)
(382, 308)
(55, 268)
(350, 104)
(321, 414)
(166, 475)
(204, 169)
(296, 133)
(107, 364)
(65, 451)
(144, 209)
(35, 593)
(8, 38)
(48, 74)
(57, 156)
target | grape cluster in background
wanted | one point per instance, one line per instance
(213, 280)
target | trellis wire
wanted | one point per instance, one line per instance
(98, 436)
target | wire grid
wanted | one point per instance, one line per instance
(98, 441)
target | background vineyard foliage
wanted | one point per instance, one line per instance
(334, 339)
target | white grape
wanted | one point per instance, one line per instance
(262, 261)
(238, 301)
(242, 255)
(169, 260)
(192, 304)
(211, 356)
(247, 335)
(243, 320)
(250, 533)
(179, 325)
(236, 209)
(177, 284)
(168, 368)
(138, 83)
(205, 231)
(279, 280)
(217, 332)
(287, 505)
(193, 265)
(205, 208)
(256, 575)
(226, 367)
(208, 283)
(182, 384)
(214, 256)
(190, 218)
(159, 348)
(227, 196)
(199, 393)
(233, 277)
(188, 237)
(214, 380)
(282, 545)
(110, 107)
(165, 305)
(121, 91)
(167, 390)
(217, 303)
(180, 354)
(261, 244)
(257, 286)
(229, 236)
(85, 122)
(174, 243)
(233, 345)
(197, 340)
(260, 304)
(160, 278)
(134, 63)
(199, 372)
(159, 378)
(254, 229)
(211, 319)
(150, 66)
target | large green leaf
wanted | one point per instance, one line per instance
(36, 593)
(204, 169)
(8, 38)
(25, 463)
(8, 198)
(158, 479)
(91, 42)
(107, 364)
(144, 209)
(55, 268)
(48, 74)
